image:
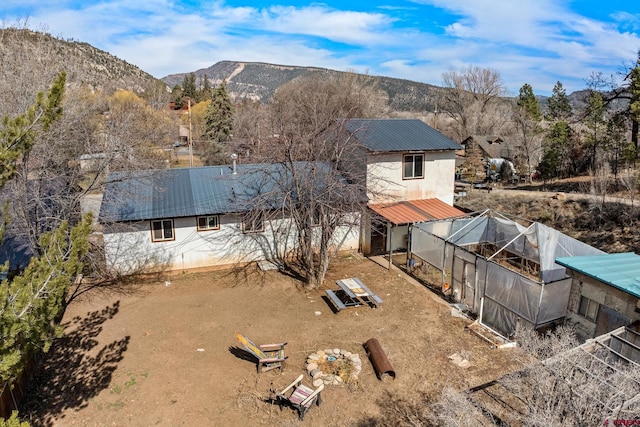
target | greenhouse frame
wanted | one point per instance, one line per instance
(502, 271)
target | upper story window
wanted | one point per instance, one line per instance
(162, 230)
(211, 222)
(413, 166)
(588, 308)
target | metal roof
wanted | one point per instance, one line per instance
(384, 135)
(411, 211)
(172, 193)
(207, 190)
(621, 270)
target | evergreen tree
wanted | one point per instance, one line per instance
(189, 87)
(528, 102)
(205, 89)
(18, 134)
(549, 163)
(558, 139)
(595, 123)
(559, 107)
(32, 303)
(619, 150)
(218, 125)
(176, 93)
(527, 117)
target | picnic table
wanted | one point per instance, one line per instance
(352, 293)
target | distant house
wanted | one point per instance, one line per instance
(494, 151)
(410, 171)
(199, 217)
(605, 292)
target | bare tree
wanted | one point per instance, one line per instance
(556, 382)
(472, 99)
(322, 197)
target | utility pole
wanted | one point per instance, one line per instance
(190, 140)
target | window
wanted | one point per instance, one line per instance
(413, 166)
(211, 222)
(588, 308)
(162, 230)
(253, 223)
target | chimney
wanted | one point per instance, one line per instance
(234, 159)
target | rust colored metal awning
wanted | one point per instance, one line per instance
(410, 211)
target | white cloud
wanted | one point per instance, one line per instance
(532, 41)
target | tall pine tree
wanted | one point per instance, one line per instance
(558, 136)
(32, 302)
(559, 107)
(189, 89)
(527, 117)
(218, 125)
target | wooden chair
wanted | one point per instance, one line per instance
(298, 396)
(270, 356)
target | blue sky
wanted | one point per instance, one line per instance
(538, 42)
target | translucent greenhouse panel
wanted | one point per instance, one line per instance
(428, 247)
(481, 266)
(498, 318)
(448, 262)
(555, 299)
(513, 291)
(554, 244)
(468, 230)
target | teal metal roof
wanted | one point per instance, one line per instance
(388, 135)
(621, 270)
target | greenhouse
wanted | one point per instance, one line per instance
(504, 272)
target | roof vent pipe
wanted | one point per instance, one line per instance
(234, 159)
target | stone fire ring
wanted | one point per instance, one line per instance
(339, 366)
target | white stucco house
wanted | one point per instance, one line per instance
(410, 174)
(199, 217)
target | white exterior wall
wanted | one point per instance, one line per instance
(385, 183)
(132, 250)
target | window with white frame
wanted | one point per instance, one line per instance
(413, 166)
(588, 308)
(162, 230)
(253, 223)
(209, 222)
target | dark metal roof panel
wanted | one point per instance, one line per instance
(620, 270)
(210, 190)
(385, 135)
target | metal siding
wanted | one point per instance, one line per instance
(399, 135)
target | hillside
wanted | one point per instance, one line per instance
(30, 60)
(259, 81)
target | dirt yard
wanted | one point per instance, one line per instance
(163, 353)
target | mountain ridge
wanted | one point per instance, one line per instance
(260, 80)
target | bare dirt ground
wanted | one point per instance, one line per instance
(161, 353)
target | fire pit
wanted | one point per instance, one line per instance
(333, 366)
